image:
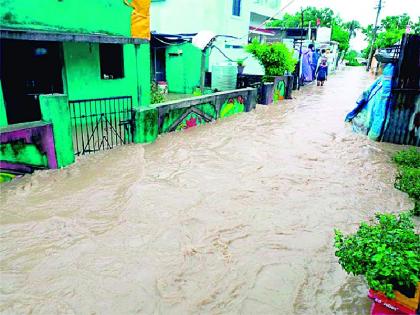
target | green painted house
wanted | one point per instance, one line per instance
(71, 76)
(82, 49)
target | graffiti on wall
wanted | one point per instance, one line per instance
(185, 118)
(279, 90)
(6, 177)
(25, 149)
(232, 106)
(192, 120)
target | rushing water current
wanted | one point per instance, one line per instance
(235, 217)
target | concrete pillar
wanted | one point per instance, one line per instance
(143, 74)
(251, 100)
(146, 125)
(55, 109)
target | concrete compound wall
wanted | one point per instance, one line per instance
(189, 113)
(41, 144)
(26, 147)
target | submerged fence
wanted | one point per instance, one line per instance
(100, 124)
(403, 126)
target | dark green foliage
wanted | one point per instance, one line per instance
(351, 58)
(340, 35)
(390, 31)
(410, 158)
(276, 58)
(310, 14)
(385, 253)
(156, 95)
(408, 177)
(341, 32)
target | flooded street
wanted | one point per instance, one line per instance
(235, 217)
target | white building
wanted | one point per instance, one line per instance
(235, 21)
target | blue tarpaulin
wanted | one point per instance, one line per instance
(372, 110)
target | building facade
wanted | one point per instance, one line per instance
(68, 61)
(233, 21)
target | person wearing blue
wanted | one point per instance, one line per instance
(315, 58)
(321, 73)
(307, 73)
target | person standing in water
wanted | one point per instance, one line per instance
(321, 73)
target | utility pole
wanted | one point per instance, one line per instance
(379, 7)
(300, 50)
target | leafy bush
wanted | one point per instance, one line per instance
(408, 177)
(156, 95)
(351, 58)
(410, 158)
(276, 58)
(386, 253)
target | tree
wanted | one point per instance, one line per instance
(340, 35)
(276, 58)
(341, 32)
(416, 27)
(351, 58)
(390, 31)
(310, 14)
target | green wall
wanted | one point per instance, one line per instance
(55, 109)
(23, 153)
(3, 115)
(143, 73)
(183, 71)
(83, 73)
(85, 16)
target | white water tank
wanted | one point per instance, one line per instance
(224, 76)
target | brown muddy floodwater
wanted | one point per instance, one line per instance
(235, 217)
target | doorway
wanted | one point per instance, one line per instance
(28, 69)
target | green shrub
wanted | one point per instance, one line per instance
(386, 253)
(276, 58)
(408, 176)
(410, 157)
(351, 58)
(156, 95)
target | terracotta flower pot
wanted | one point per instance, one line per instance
(402, 304)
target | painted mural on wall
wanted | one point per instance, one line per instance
(25, 149)
(192, 120)
(232, 106)
(184, 118)
(279, 91)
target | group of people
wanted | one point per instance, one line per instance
(315, 65)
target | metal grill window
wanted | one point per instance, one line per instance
(100, 124)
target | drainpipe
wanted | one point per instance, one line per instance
(203, 70)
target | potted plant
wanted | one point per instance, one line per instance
(241, 65)
(387, 254)
(277, 60)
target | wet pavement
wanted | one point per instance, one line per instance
(234, 217)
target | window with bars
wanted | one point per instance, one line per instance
(236, 8)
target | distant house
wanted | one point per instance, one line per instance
(174, 22)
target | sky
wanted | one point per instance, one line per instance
(362, 10)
